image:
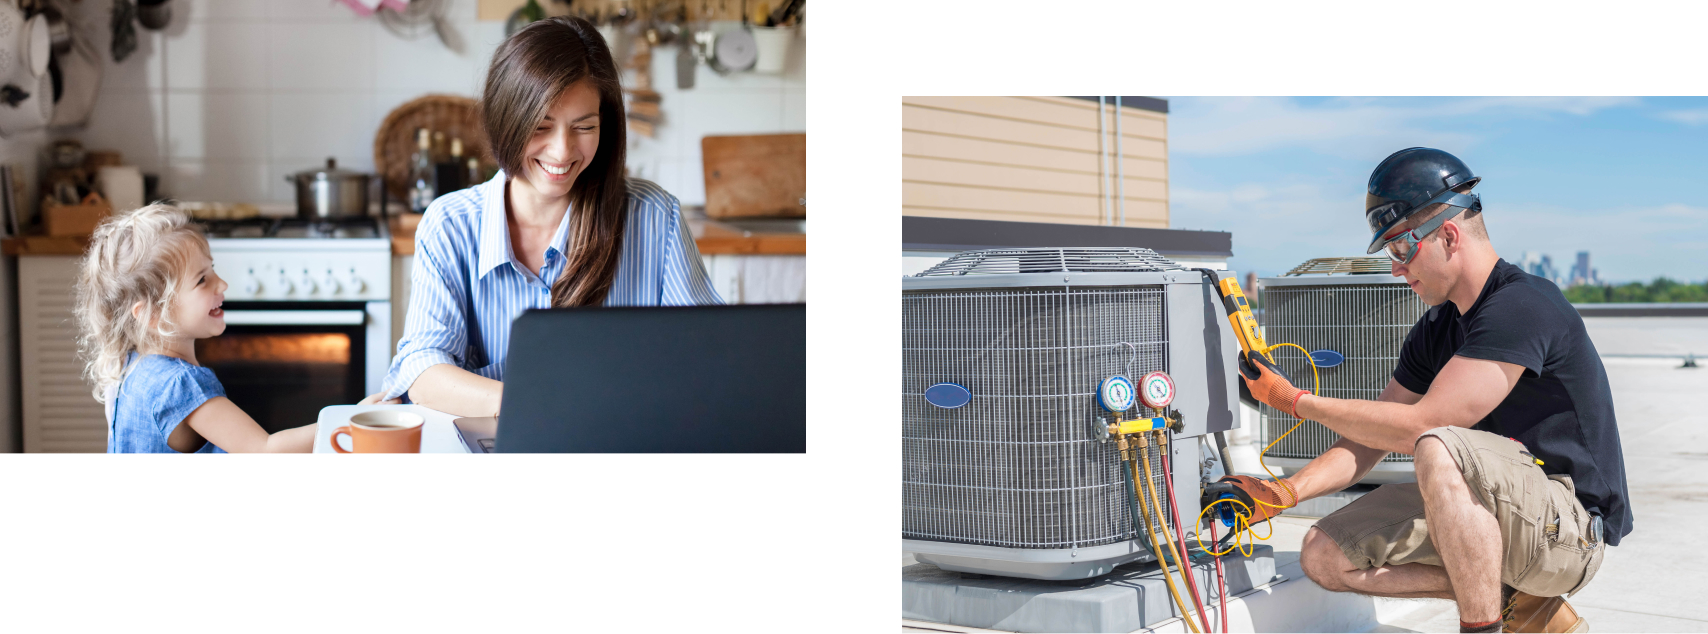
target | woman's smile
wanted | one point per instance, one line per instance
(556, 172)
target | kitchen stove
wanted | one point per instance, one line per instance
(286, 259)
(307, 313)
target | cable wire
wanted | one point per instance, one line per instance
(1242, 520)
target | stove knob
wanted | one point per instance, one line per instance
(357, 286)
(308, 287)
(253, 285)
(285, 285)
(331, 283)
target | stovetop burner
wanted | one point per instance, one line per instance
(291, 228)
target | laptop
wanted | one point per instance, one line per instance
(479, 434)
(695, 379)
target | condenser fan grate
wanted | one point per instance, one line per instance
(1052, 260)
(1344, 266)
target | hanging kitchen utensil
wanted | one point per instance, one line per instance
(124, 29)
(58, 31)
(26, 87)
(733, 50)
(80, 80)
(773, 45)
(153, 14)
(686, 64)
(420, 18)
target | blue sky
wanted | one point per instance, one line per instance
(1624, 178)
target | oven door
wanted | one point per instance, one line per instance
(284, 361)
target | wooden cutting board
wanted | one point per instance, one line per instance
(757, 175)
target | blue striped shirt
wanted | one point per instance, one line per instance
(467, 285)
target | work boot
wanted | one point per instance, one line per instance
(1528, 613)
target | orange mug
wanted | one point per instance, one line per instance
(381, 431)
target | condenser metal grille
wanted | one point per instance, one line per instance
(1365, 322)
(1039, 260)
(1019, 466)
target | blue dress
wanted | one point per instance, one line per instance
(158, 393)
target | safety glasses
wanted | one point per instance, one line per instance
(1402, 248)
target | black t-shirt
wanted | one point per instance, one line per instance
(1561, 408)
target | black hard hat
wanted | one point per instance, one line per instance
(1410, 180)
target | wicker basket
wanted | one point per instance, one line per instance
(454, 115)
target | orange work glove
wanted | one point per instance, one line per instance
(1269, 384)
(1249, 491)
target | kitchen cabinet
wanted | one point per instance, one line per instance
(11, 432)
(60, 414)
(401, 265)
(758, 279)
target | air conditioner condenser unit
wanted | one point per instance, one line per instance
(1008, 475)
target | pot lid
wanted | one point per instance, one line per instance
(331, 172)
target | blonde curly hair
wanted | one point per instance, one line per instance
(134, 263)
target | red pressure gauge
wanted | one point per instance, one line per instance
(1156, 390)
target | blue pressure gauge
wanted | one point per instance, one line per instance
(1115, 394)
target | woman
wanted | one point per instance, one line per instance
(559, 225)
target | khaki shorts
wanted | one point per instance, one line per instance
(1544, 530)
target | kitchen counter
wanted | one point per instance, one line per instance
(712, 237)
(45, 245)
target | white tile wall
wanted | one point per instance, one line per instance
(236, 94)
(217, 56)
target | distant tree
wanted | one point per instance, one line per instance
(1661, 290)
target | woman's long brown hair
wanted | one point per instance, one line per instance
(528, 73)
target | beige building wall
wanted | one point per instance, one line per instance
(1031, 159)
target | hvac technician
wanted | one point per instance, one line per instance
(1502, 401)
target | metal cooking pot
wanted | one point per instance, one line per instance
(331, 193)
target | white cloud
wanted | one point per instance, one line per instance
(1695, 117)
(1350, 127)
(1275, 226)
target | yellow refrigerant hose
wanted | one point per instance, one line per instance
(1180, 562)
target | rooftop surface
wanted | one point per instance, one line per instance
(1655, 580)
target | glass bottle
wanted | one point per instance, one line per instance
(449, 172)
(421, 180)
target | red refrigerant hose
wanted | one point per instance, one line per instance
(1221, 581)
(1180, 535)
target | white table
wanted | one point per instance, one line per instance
(439, 435)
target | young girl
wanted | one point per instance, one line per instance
(146, 293)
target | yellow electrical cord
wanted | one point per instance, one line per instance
(1185, 613)
(1242, 522)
